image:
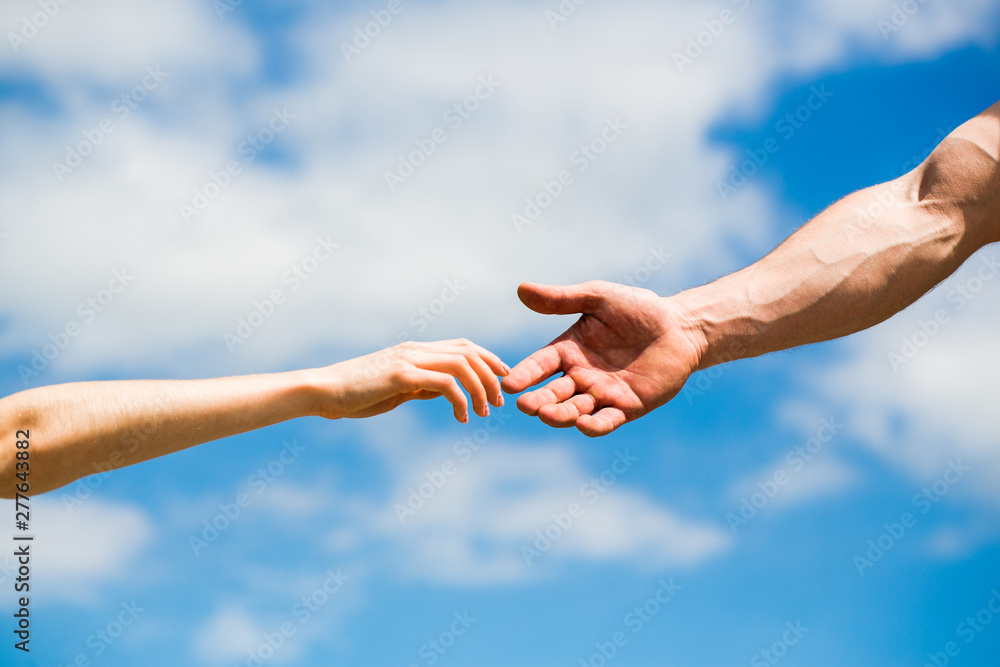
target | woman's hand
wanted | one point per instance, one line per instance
(378, 382)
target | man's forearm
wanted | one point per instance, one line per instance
(83, 428)
(862, 260)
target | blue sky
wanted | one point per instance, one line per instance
(450, 585)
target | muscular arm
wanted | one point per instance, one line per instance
(865, 258)
(862, 260)
(79, 429)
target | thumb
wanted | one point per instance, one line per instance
(554, 300)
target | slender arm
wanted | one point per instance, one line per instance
(79, 429)
(82, 428)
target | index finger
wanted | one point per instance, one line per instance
(490, 359)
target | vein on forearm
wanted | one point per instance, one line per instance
(864, 258)
(837, 275)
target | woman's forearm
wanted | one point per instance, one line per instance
(83, 428)
(862, 260)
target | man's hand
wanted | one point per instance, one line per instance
(630, 352)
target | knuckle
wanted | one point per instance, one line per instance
(403, 376)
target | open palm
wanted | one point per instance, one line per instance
(629, 353)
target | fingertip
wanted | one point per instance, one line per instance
(524, 404)
(529, 293)
(494, 362)
(592, 427)
(511, 385)
(461, 406)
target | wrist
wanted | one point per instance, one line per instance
(308, 391)
(715, 324)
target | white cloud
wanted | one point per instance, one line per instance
(921, 412)
(108, 42)
(958, 540)
(226, 636)
(269, 619)
(76, 553)
(232, 634)
(286, 499)
(818, 478)
(654, 186)
(480, 514)
(818, 34)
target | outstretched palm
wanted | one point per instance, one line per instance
(628, 354)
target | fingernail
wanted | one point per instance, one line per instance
(465, 418)
(506, 369)
(486, 413)
(500, 400)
